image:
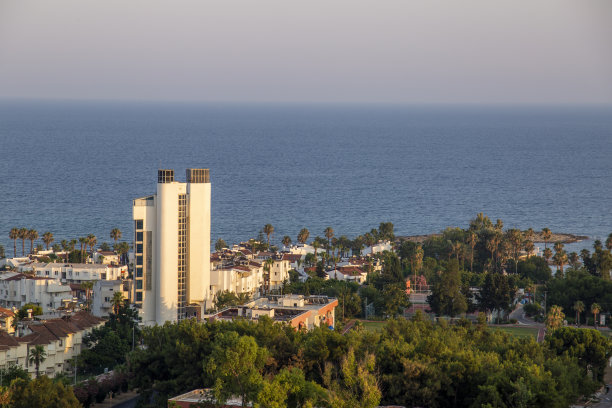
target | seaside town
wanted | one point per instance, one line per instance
(91, 315)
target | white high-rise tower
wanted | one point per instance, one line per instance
(172, 247)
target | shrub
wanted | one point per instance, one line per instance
(532, 309)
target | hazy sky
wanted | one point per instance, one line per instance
(429, 51)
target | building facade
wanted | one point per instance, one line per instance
(172, 247)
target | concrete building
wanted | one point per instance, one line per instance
(61, 338)
(75, 273)
(103, 292)
(17, 289)
(301, 312)
(172, 247)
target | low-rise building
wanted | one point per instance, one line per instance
(296, 310)
(7, 316)
(348, 273)
(17, 289)
(75, 273)
(62, 339)
(103, 292)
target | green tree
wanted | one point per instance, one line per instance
(354, 384)
(37, 355)
(496, 293)
(220, 245)
(329, 234)
(88, 287)
(595, 309)
(385, 230)
(41, 393)
(303, 236)
(546, 235)
(23, 235)
(91, 242)
(579, 308)
(289, 388)
(22, 313)
(589, 347)
(32, 235)
(117, 301)
(547, 254)
(14, 235)
(446, 298)
(48, 239)
(83, 241)
(115, 234)
(236, 364)
(555, 318)
(268, 229)
(286, 241)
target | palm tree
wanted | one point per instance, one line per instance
(267, 267)
(329, 234)
(117, 301)
(528, 245)
(286, 241)
(547, 254)
(121, 249)
(91, 241)
(560, 257)
(23, 235)
(579, 308)
(595, 309)
(37, 355)
(32, 236)
(88, 286)
(546, 235)
(529, 234)
(515, 237)
(14, 235)
(472, 238)
(499, 225)
(555, 318)
(83, 242)
(268, 229)
(48, 239)
(115, 234)
(316, 244)
(609, 242)
(492, 245)
(303, 236)
(574, 259)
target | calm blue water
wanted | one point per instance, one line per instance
(73, 168)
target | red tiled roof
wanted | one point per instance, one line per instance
(292, 257)
(6, 312)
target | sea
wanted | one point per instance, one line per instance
(73, 167)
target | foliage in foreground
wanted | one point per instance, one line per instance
(411, 363)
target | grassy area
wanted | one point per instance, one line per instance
(372, 326)
(518, 331)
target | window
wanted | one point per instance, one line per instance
(139, 236)
(139, 272)
(139, 260)
(139, 248)
(139, 296)
(138, 283)
(138, 224)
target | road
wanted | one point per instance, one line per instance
(519, 315)
(605, 400)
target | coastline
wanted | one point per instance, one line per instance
(564, 238)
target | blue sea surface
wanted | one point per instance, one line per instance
(73, 168)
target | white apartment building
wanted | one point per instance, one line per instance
(17, 289)
(75, 273)
(172, 247)
(103, 292)
(61, 338)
